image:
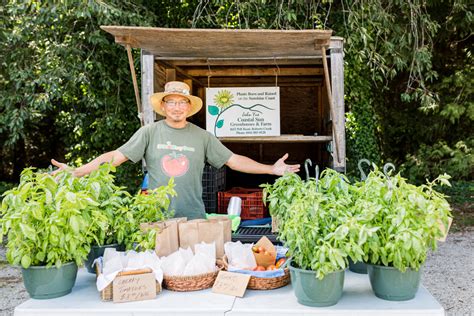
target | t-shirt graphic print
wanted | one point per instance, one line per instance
(174, 164)
(178, 153)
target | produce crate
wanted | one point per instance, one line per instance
(252, 203)
(213, 181)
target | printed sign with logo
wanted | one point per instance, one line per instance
(240, 112)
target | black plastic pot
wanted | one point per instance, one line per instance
(96, 252)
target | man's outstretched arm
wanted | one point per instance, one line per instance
(248, 165)
(115, 157)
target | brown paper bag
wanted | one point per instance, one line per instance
(218, 230)
(269, 256)
(167, 239)
(227, 226)
(189, 233)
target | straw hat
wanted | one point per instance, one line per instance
(176, 88)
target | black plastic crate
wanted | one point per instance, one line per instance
(213, 181)
(253, 234)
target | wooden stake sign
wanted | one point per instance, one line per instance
(445, 230)
(136, 287)
(230, 283)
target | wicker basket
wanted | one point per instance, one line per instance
(192, 283)
(264, 283)
(107, 293)
(269, 283)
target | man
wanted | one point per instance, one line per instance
(174, 147)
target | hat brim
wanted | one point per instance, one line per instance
(156, 98)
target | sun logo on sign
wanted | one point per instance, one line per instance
(224, 99)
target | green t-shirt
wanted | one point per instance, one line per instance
(179, 153)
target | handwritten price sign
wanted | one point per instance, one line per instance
(137, 287)
(230, 283)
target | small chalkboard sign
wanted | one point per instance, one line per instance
(230, 283)
(136, 287)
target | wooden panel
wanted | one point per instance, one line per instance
(205, 43)
(147, 70)
(253, 71)
(298, 152)
(170, 75)
(299, 81)
(337, 80)
(160, 77)
(299, 110)
(280, 61)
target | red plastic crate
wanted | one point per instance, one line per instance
(252, 203)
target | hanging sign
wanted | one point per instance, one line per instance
(241, 112)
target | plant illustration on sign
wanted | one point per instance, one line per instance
(224, 98)
(224, 101)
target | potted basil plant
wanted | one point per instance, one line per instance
(407, 220)
(319, 230)
(141, 209)
(111, 202)
(49, 224)
(124, 213)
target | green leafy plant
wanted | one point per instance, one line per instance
(52, 220)
(144, 208)
(406, 219)
(49, 220)
(111, 202)
(123, 212)
(315, 222)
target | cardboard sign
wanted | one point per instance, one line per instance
(136, 287)
(229, 283)
(268, 258)
(445, 230)
(242, 112)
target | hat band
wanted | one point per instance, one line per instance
(182, 91)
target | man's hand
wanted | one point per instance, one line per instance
(61, 166)
(280, 167)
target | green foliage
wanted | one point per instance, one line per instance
(49, 221)
(406, 219)
(315, 222)
(65, 83)
(458, 161)
(460, 192)
(112, 202)
(145, 208)
(52, 220)
(280, 14)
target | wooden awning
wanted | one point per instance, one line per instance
(169, 43)
(222, 43)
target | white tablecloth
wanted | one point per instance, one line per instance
(357, 299)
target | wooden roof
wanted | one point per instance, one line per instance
(222, 43)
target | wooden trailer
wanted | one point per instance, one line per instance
(307, 65)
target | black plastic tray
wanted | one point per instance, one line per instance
(253, 234)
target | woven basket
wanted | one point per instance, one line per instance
(192, 283)
(264, 283)
(269, 283)
(107, 293)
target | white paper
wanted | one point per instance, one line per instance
(239, 256)
(114, 262)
